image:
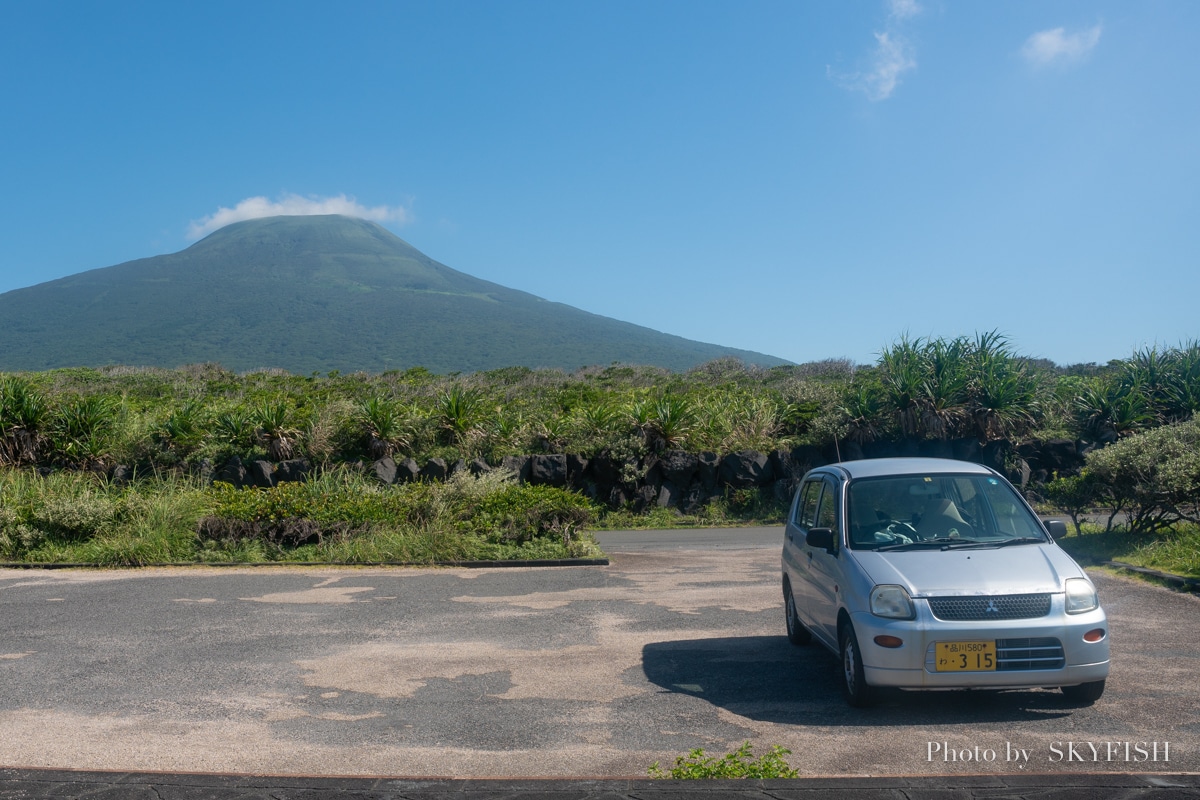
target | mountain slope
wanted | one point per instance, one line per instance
(314, 294)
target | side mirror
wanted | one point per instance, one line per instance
(820, 537)
(1056, 528)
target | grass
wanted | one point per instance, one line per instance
(1176, 551)
(737, 764)
(79, 518)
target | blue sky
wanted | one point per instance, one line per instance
(810, 180)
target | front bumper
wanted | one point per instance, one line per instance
(911, 666)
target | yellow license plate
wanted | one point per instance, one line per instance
(966, 657)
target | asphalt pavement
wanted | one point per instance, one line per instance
(246, 684)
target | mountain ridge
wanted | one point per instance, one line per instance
(315, 293)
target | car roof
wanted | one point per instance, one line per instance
(879, 467)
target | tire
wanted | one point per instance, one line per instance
(854, 681)
(1084, 693)
(796, 632)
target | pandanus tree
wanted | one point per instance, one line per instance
(24, 416)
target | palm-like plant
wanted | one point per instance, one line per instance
(24, 415)
(903, 376)
(1003, 390)
(943, 395)
(386, 427)
(79, 429)
(457, 411)
(185, 429)
(862, 406)
(275, 429)
(235, 427)
(665, 420)
(1113, 409)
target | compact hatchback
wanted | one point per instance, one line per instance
(925, 573)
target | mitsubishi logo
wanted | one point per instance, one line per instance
(991, 608)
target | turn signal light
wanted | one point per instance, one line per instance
(891, 641)
(1094, 635)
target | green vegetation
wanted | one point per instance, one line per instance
(738, 764)
(76, 517)
(175, 427)
(1175, 551)
(315, 293)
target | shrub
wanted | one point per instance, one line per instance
(738, 764)
(1154, 476)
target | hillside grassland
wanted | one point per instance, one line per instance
(62, 433)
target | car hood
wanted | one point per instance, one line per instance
(1018, 569)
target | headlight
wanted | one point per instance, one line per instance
(892, 602)
(1081, 596)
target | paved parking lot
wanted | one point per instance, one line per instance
(591, 671)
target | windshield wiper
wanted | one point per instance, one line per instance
(1021, 540)
(941, 543)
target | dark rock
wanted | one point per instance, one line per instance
(518, 465)
(606, 469)
(994, 454)
(669, 495)
(936, 448)
(577, 467)
(435, 469)
(784, 491)
(294, 470)
(651, 470)
(458, 466)
(744, 469)
(806, 457)
(679, 467)
(233, 473)
(965, 449)
(1022, 474)
(617, 497)
(478, 467)
(121, 475)
(1060, 455)
(384, 470)
(262, 474)
(644, 497)
(706, 470)
(694, 499)
(548, 470)
(408, 471)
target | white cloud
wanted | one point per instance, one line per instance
(1056, 45)
(892, 57)
(902, 9)
(295, 205)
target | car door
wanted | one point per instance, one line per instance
(796, 554)
(825, 566)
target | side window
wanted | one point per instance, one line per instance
(827, 516)
(806, 509)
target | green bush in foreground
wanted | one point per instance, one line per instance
(738, 764)
(339, 516)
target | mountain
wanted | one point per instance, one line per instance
(315, 293)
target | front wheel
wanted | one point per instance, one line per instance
(1084, 693)
(854, 681)
(796, 632)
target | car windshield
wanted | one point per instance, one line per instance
(920, 511)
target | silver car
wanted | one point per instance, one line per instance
(925, 573)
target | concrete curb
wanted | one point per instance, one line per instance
(35, 784)
(543, 562)
(1191, 584)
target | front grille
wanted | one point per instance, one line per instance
(985, 607)
(1026, 654)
